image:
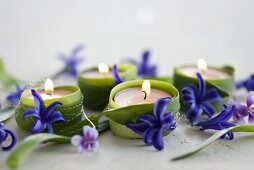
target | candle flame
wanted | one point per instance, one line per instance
(146, 87)
(49, 86)
(103, 68)
(202, 65)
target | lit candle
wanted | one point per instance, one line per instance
(138, 95)
(223, 77)
(131, 99)
(97, 82)
(70, 97)
(50, 93)
(207, 73)
(102, 71)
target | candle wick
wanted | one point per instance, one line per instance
(145, 94)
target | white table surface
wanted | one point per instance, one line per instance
(116, 153)
(33, 32)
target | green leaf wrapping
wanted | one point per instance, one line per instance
(77, 128)
(96, 90)
(119, 116)
(26, 146)
(6, 79)
(240, 128)
(6, 113)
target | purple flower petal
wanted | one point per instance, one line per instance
(38, 101)
(148, 119)
(191, 89)
(38, 126)
(220, 121)
(3, 135)
(147, 138)
(202, 85)
(251, 118)
(76, 140)
(230, 135)
(138, 128)
(248, 84)
(89, 140)
(212, 95)
(168, 119)
(13, 97)
(90, 133)
(250, 99)
(160, 107)
(13, 140)
(95, 146)
(146, 56)
(198, 99)
(116, 75)
(31, 112)
(157, 140)
(188, 98)
(50, 109)
(56, 116)
(50, 128)
(208, 108)
(241, 109)
(45, 117)
(151, 127)
(193, 113)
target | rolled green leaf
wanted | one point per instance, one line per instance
(239, 128)
(6, 113)
(6, 79)
(224, 86)
(26, 146)
(118, 116)
(71, 108)
(96, 90)
(166, 79)
(78, 127)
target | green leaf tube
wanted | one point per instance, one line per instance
(96, 90)
(118, 116)
(225, 86)
(71, 108)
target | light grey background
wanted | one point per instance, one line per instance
(33, 32)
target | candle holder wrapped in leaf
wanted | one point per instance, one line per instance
(70, 98)
(124, 109)
(96, 85)
(221, 78)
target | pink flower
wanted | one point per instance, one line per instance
(87, 142)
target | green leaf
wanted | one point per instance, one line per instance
(77, 128)
(5, 77)
(27, 145)
(131, 113)
(6, 113)
(239, 128)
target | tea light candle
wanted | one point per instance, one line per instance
(211, 73)
(70, 97)
(50, 93)
(131, 99)
(97, 82)
(221, 77)
(103, 71)
(138, 95)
